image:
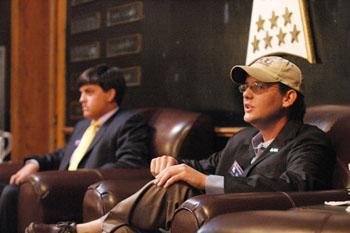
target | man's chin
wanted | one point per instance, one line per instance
(248, 119)
(86, 115)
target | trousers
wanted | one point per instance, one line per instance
(8, 208)
(150, 209)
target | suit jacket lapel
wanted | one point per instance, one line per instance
(288, 132)
(100, 133)
(242, 156)
(73, 143)
(98, 136)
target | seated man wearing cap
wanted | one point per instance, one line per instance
(279, 153)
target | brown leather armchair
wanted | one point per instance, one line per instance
(53, 196)
(191, 138)
(333, 119)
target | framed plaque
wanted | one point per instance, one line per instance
(132, 76)
(79, 2)
(124, 45)
(88, 22)
(74, 111)
(125, 13)
(85, 52)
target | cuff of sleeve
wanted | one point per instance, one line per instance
(33, 161)
(214, 185)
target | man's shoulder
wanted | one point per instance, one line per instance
(304, 133)
(128, 114)
(126, 117)
(312, 130)
(82, 124)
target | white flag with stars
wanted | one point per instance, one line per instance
(279, 27)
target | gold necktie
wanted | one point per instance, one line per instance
(84, 144)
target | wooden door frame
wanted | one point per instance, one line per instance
(37, 76)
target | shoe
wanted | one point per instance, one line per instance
(62, 227)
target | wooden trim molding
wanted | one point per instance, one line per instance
(37, 75)
(67, 130)
(61, 71)
(227, 131)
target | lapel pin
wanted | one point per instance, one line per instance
(274, 150)
(76, 143)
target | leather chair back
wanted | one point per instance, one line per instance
(335, 121)
(180, 133)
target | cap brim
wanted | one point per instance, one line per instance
(240, 73)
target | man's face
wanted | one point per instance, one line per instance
(94, 101)
(263, 103)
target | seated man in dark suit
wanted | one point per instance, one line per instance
(280, 153)
(108, 138)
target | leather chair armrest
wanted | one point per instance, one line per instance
(53, 196)
(274, 221)
(103, 196)
(319, 197)
(7, 169)
(194, 212)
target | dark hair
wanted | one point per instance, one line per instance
(107, 78)
(297, 110)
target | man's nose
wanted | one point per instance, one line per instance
(248, 93)
(82, 98)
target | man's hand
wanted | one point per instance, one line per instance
(181, 172)
(23, 173)
(160, 163)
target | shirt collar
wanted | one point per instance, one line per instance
(106, 116)
(258, 142)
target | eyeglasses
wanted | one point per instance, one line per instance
(256, 87)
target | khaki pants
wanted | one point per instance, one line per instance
(149, 209)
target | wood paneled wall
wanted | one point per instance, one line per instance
(37, 81)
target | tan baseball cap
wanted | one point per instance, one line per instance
(271, 69)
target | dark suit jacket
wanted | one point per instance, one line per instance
(300, 158)
(123, 141)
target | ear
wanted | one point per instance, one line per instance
(289, 98)
(112, 94)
